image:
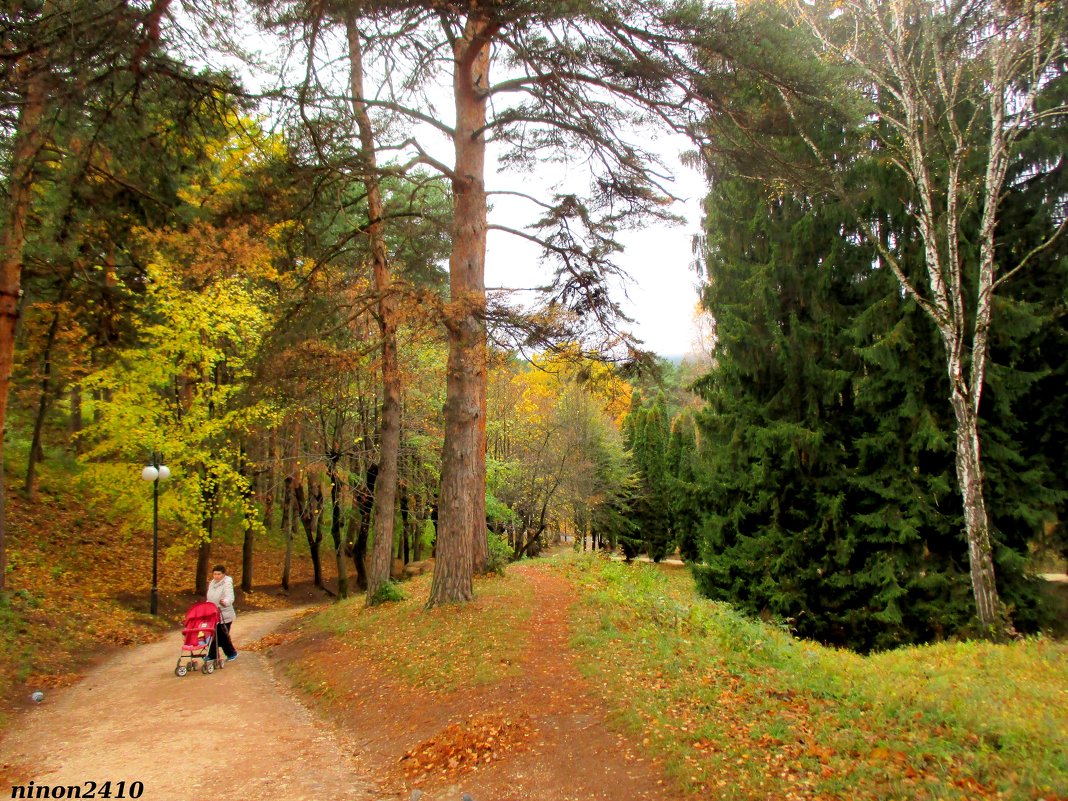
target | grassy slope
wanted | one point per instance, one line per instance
(744, 710)
(439, 650)
(735, 708)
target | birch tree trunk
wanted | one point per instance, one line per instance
(944, 85)
(389, 427)
(976, 521)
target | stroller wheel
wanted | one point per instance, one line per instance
(181, 670)
(209, 666)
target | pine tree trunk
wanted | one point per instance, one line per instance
(461, 548)
(389, 431)
(3, 503)
(28, 139)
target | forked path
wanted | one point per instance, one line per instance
(235, 734)
(554, 737)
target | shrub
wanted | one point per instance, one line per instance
(388, 592)
(500, 554)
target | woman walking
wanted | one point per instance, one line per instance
(221, 593)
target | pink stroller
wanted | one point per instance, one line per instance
(198, 634)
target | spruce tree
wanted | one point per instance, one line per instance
(652, 503)
(828, 481)
(682, 466)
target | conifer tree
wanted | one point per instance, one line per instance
(951, 90)
(647, 439)
(683, 467)
(829, 482)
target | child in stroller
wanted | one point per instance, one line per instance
(198, 633)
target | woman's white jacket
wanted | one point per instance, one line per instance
(221, 593)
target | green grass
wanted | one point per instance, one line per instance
(743, 710)
(440, 649)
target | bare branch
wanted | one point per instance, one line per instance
(1035, 251)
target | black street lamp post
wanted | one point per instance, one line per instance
(155, 473)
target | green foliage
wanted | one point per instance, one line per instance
(500, 554)
(555, 457)
(647, 432)
(683, 463)
(826, 482)
(497, 512)
(388, 592)
(1024, 425)
(181, 388)
(615, 485)
(662, 445)
(142, 409)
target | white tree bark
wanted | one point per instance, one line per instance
(943, 81)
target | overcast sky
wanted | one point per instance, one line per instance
(662, 295)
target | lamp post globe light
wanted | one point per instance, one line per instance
(155, 473)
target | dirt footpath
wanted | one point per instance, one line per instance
(543, 734)
(235, 734)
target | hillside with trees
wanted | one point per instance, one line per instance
(248, 240)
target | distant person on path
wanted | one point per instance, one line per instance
(221, 593)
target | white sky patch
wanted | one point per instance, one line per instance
(663, 291)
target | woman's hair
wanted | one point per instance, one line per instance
(219, 569)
